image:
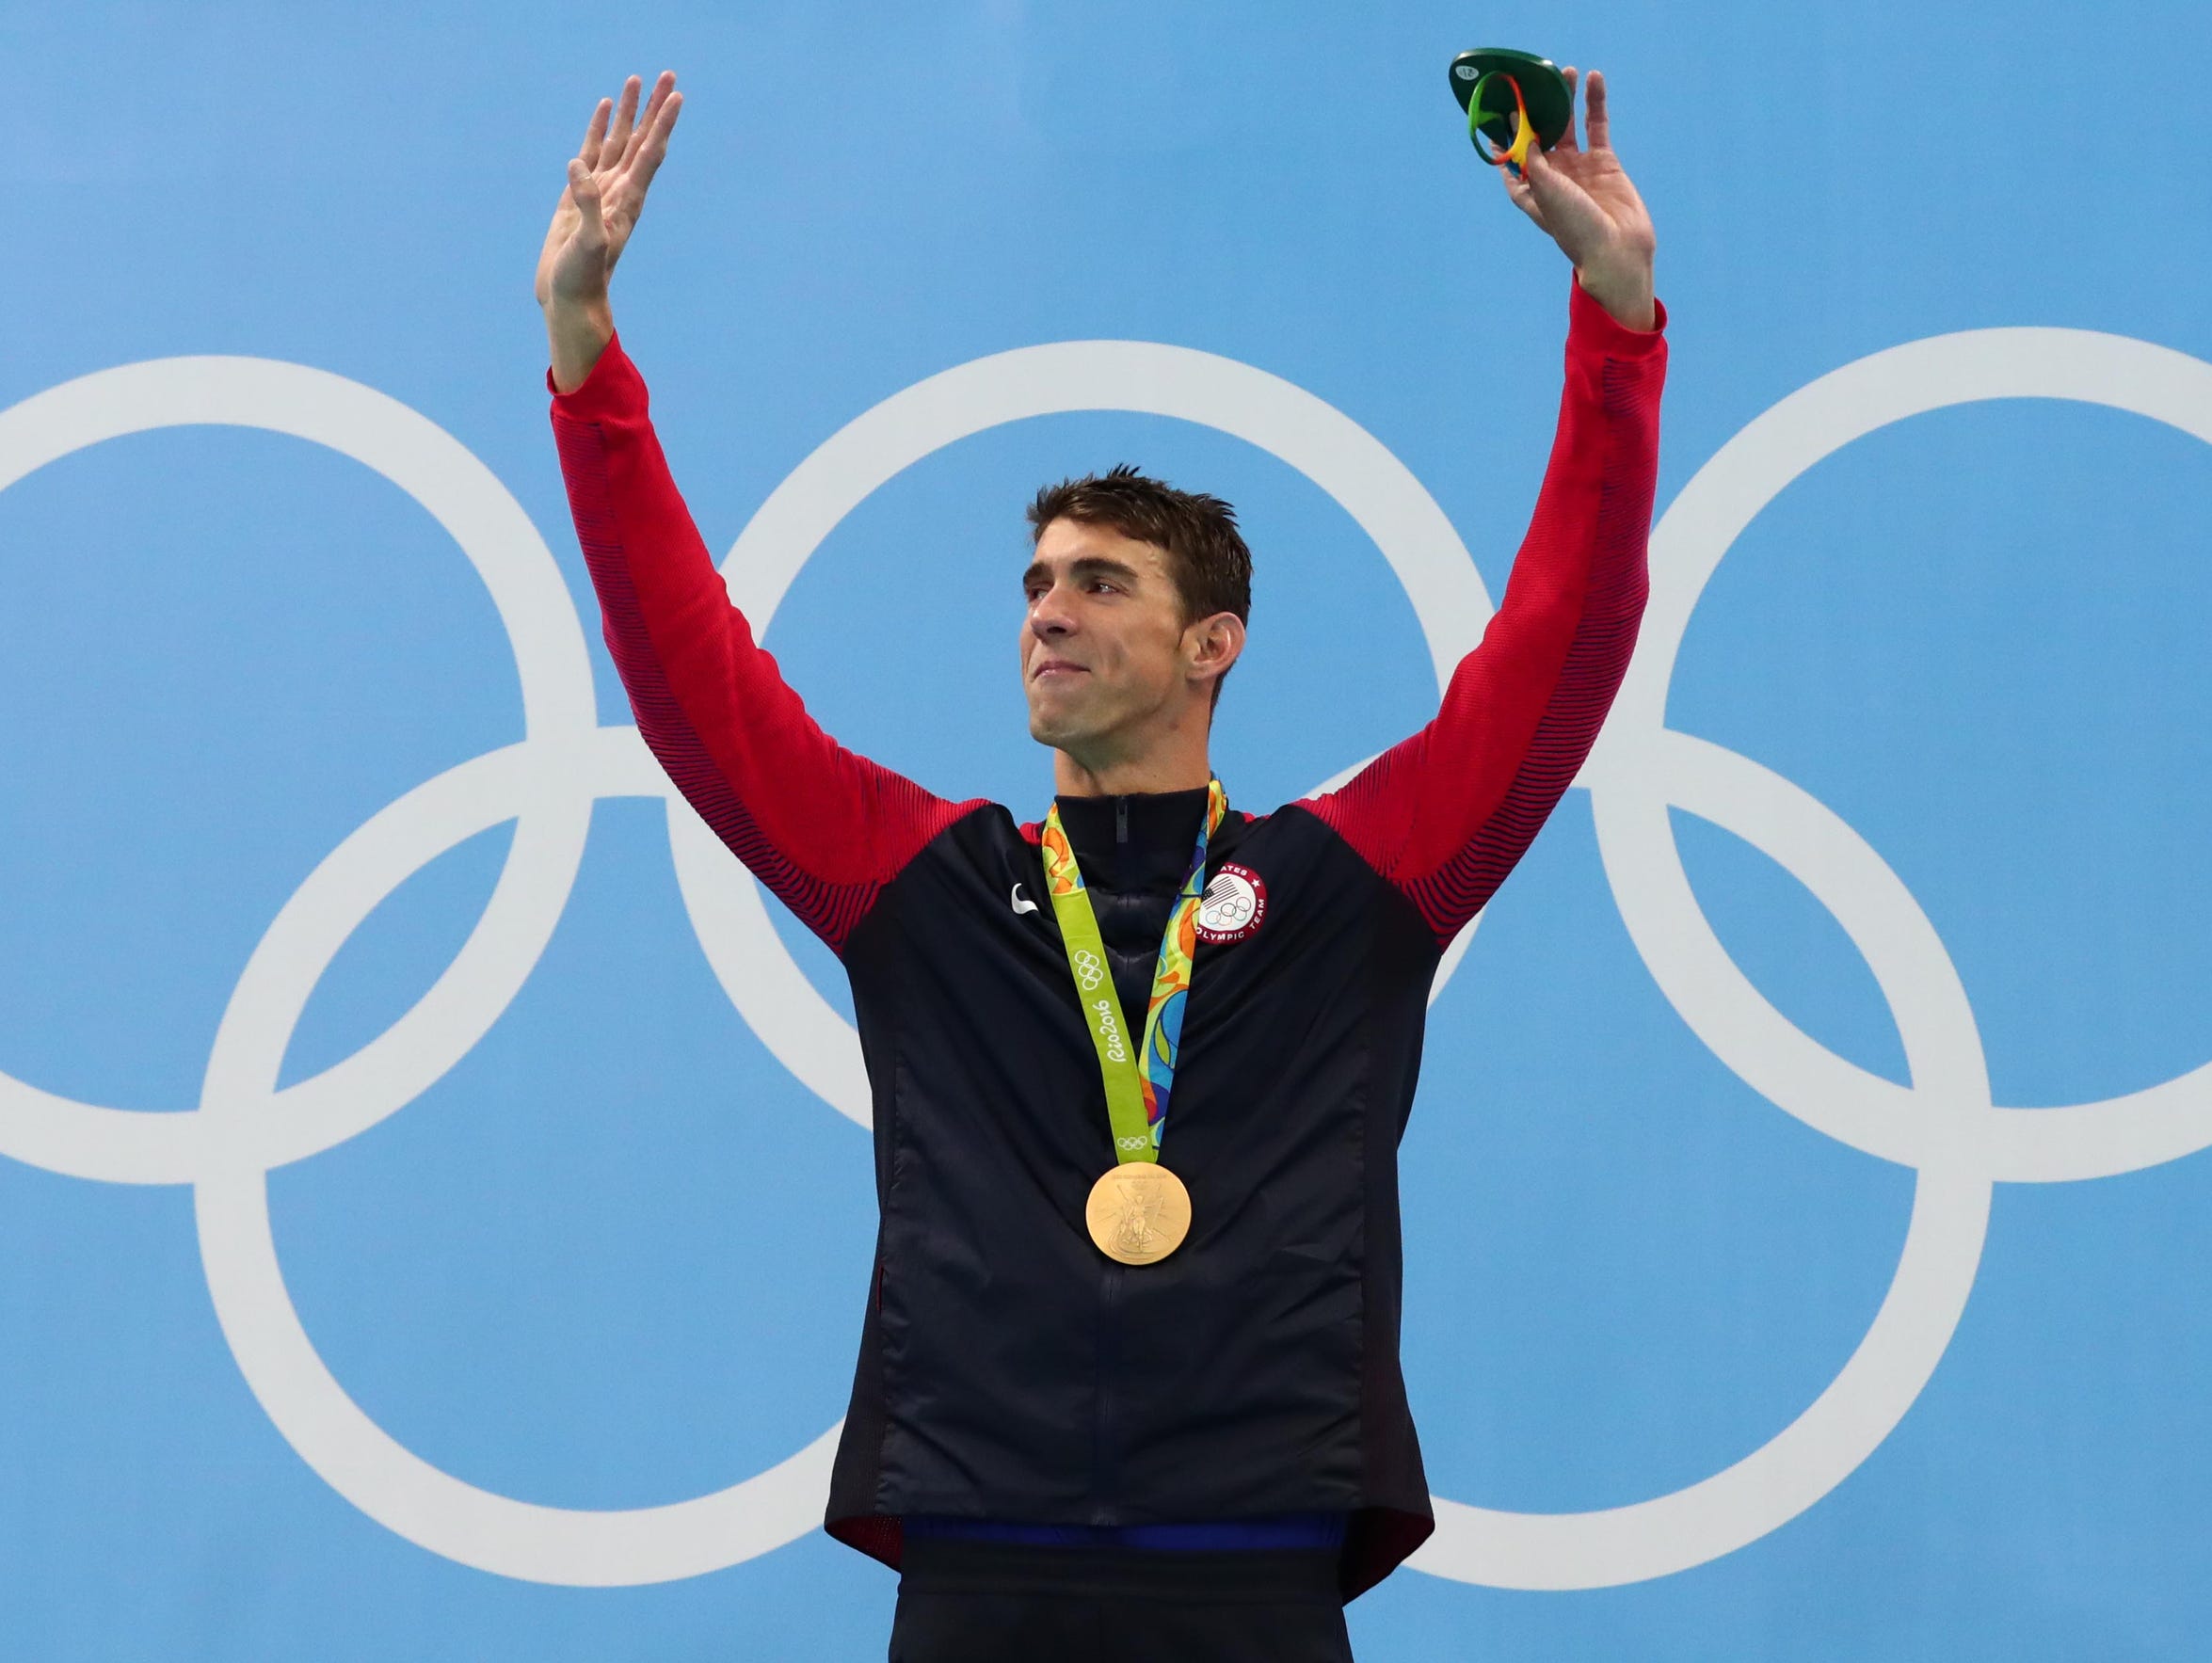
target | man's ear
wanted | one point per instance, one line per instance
(1213, 644)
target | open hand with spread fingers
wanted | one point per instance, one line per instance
(599, 208)
(1583, 199)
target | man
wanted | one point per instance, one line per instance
(1129, 1378)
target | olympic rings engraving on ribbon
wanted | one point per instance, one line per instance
(1943, 1123)
(1088, 970)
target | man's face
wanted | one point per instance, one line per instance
(1102, 638)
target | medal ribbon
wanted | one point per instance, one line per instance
(1138, 1081)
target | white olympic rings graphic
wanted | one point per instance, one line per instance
(1943, 1125)
(1088, 970)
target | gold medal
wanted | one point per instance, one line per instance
(1139, 1212)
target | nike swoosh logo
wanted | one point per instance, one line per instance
(1020, 904)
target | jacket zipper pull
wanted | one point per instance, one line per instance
(1121, 820)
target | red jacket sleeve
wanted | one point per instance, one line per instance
(823, 828)
(1444, 814)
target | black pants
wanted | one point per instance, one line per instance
(987, 1602)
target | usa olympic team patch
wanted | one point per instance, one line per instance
(1234, 906)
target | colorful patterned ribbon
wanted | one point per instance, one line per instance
(1136, 1096)
(1524, 130)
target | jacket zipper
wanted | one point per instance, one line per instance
(1105, 1427)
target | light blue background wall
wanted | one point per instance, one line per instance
(615, 1256)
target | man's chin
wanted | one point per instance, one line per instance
(1045, 731)
(1058, 728)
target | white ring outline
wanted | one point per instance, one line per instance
(584, 1547)
(1944, 1123)
(142, 1147)
(2089, 1140)
(244, 1125)
(1947, 1157)
(808, 1034)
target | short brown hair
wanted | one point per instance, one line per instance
(1206, 552)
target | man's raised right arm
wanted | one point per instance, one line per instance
(821, 827)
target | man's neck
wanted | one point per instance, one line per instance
(1071, 778)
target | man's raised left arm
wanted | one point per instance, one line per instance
(1444, 814)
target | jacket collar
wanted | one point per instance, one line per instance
(1140, 842)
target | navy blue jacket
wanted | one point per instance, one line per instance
(1008, 1369)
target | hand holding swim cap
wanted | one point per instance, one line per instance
(1584, 202)
(591, 225)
